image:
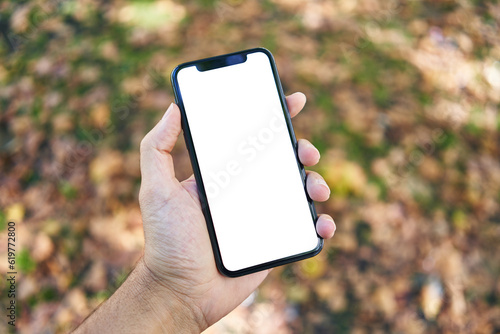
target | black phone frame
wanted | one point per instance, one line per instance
(217, 62)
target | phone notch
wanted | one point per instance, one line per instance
(221, 62)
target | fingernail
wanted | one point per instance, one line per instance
(333, 223)
(169, 109)
(323, 183)
(319, 154)
(330, 219)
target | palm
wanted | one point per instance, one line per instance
(186, 257)
(178, 250)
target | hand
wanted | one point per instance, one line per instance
(178, 255)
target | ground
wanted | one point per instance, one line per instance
(403, 100)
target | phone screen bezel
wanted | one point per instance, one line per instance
(217, 62)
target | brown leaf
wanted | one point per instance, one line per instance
(96, 279)
(42, 248)
(105, 165)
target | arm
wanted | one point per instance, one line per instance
(142, 305)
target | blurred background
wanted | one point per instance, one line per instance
(403, 100)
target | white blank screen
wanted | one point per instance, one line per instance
(254, 189)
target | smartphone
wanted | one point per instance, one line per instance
(243, 150)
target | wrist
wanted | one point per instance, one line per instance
(174, 313)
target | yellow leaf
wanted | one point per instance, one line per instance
(313, 267)
(15, 212)
(99, 115)
(298, 293)
(431, 298)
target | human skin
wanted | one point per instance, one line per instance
(175, 286)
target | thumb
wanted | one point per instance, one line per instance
(157, 166)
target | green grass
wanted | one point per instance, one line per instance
(363, 233)
(67, 190)
(3, 221)
(25, 262)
